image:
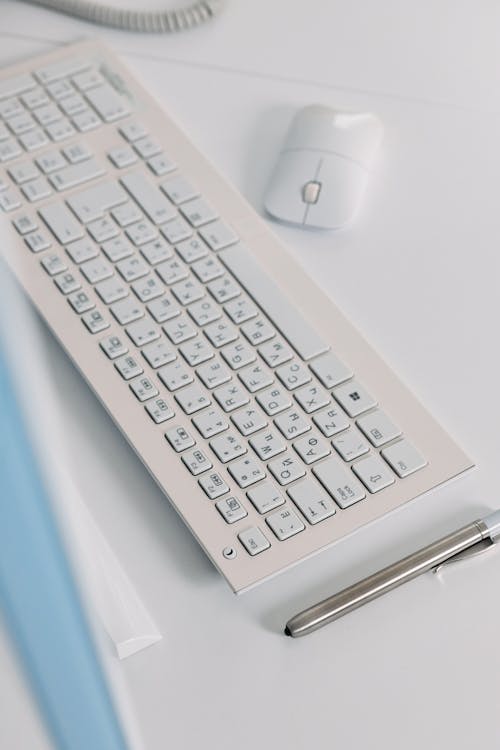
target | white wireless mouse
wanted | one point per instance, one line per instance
(323, 168)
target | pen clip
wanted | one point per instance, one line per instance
(477, 549)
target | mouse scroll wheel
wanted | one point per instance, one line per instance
(311, 191)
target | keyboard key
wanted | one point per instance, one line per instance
(287, 318)
(133, 130)
(126, 311)
(147, 147)
(62, 69)
(80, 302)
(190, 250)
(257, 331)
(196, 461)
(158, 354)
(207, 269)
(204, 312)
(231, 509)
(171, 271)
(149, 197)
(179, 190)
(265, 497)
(102, 229)
(220, 333)
(191, 399)
(240, 310)
(37, 241)
(142, 332)
(248, 420)
(94, 321)
(141, 233)
(148, 288)
(156, 251)
(253, 540)
(9, 201)
(351, 445)
(231, 396)
(143, 389)
(108, 103)
(312, 500)
(60, 130)
(267, 444)
(293, 375)
(285, 523)
(187, 291)
(210, 422)
(76, 174)
(378, 428)
(67, 283)
(47, 115)
(86, 120)
(25, 224)
(36, 190)
(72, 105)
(132, 268)
(113, 346)
(286, 469)
(246, 471)
(163, 309)
(61, 223)
(159, 410)
(331, 420)
(96, 270)
(374, 473)
(198, 212)
(196, 351)
(255, 377)
(122, 157)
(35, 98)
(53, 264)
(21, 123)
(227, 446)
(218, 235)
(176, 231)
(274, 400)
(224, 289)
(128, 367)
(292, 424)
(111, 290)
(93, 202)
(179, 330)
(404, 458)
(275, 352)
(33, 139)
(23, 172)
(16, 85)
(82, 250)
(354, 398)
(77, 152)
(88, 80)
(311, 448)
(175, 375)
(179, 439)
(9, 150)
(238, 354)
(311, 398)
(161, 165)
(339, 482)
(213, 374)
(127, 213)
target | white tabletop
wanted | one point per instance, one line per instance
(419, 273)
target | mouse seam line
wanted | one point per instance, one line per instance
(316, 176)
(326, 151)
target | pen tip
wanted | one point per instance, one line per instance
(287, 631)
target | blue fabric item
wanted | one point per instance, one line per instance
(40, 603)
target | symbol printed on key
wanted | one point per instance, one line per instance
(354, 396)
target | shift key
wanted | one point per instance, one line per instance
(61, 223)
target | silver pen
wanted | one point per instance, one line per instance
(476, 537)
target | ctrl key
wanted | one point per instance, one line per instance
(253, 540)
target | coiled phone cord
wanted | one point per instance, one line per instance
(157, 22)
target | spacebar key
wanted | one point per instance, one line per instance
(302, 336)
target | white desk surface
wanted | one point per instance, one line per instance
(419, 273)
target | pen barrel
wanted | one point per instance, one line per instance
(385, 580)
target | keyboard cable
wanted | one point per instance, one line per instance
(155, 22)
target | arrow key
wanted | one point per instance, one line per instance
(374, 473)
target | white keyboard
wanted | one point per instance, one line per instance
(267, 420)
